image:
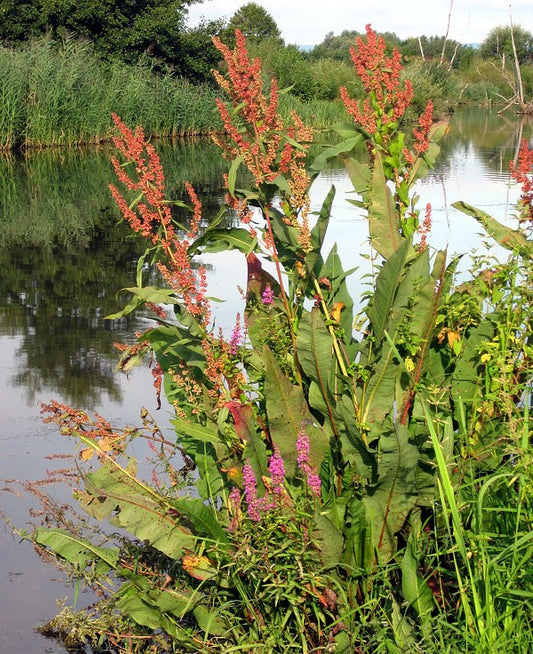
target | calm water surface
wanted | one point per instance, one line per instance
(63, 256)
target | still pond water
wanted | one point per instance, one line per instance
(64, 255)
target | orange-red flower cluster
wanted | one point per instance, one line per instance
(255, 131)
(422, 135)
(523, 174)
(387, 98)
(73, 421)
(151, 216)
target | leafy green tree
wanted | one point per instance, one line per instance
(123, 28)
(432, 48)
(498, 43)
(255, 23)
(338, 46)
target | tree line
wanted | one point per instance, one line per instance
(157, 30)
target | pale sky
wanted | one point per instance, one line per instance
(306, 22)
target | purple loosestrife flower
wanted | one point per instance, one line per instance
(277, 472)
(302, 447)
(250, 493)
(236, 338)
(268, 296)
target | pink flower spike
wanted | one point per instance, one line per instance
(268, 296)
(250, 493)
(277, 472)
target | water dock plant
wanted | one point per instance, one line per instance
(335, 482)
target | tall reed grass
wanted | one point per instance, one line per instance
(62, 94)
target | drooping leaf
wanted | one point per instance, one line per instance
(75, 549)
(334, 151)
(387, 283)
(415, 589)
(313, 259)
(112, 492)
(218, 240)
(145, 294)
(511, 239)
(255, 448)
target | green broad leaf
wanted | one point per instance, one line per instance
(336, 275)
(313, 259)
(378, 400)
(288, 414)
(159, 610)
(141, 611)
(315, 350)
(389, 501)
(467, 375)
(346, 130)
(360, 175)
(330, 153)
(205, 434)
(204, 518)
(74, 549)
(359, 537)
(387, 283)
(114, 493)
(218, 240)
(424, 163)
(232, 174)
(415, 588)
(207, 457)
(329, 539)
(363, 462)
(508, 238)
(318, 232)
(132, 305)
(255, 448)
(282, 184)
(208, 622)
(384, 224)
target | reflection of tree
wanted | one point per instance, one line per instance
(55, 299)
(494, 137)
(64, 255)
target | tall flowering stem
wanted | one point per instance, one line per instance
(387, 97)
(151, 216)
(379, 117)
(273, 151)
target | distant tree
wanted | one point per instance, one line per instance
(338, 46)
(498, 43)
(255, 23)
(432, 48)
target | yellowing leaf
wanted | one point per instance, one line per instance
(336, 311)
(105, 444)
(86, 454)
(452, 337)
(199, 567)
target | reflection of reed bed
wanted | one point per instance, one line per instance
(63, 95)
(62, 197)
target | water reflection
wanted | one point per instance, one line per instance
(64, 254)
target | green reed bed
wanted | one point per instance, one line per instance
(57, 95)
